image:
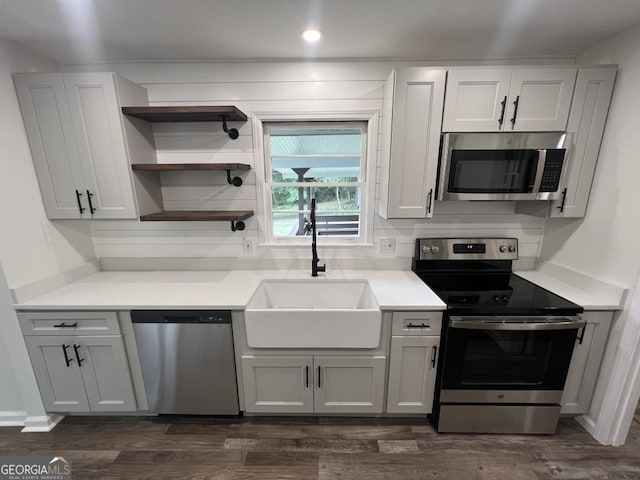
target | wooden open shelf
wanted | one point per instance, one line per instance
(186, 113)
(172, 167)
(197, 216)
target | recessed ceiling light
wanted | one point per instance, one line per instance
(312, 35)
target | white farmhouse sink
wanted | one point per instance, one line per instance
(313, 314)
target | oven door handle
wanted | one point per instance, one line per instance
(517, 323)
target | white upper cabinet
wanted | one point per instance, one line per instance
(510, 99)
(79, 142)
(411, 127)
(47, 119)
(589, 109)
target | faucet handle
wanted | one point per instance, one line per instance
(322, 268)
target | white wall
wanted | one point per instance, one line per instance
(605, 243)
(273, 88)
(31, 246)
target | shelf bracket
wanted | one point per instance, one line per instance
(232, 132)
(239, 225)
(235, 181)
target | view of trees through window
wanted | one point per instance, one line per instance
(321, 161)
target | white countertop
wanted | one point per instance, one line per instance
(228, 290)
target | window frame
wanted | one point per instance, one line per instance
(367, 181)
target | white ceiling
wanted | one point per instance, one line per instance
(90, 31)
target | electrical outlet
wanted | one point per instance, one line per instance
(247, 246)
(387, 245)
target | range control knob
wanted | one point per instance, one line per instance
(512, 248)
(434, 249)
(503, 248)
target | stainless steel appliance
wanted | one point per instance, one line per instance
(506, 343)
(187, 361)
(502, 166)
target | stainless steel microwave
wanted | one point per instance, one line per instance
(502, 166)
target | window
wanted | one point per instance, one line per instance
(321, 160)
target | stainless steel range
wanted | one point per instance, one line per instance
(506, 343)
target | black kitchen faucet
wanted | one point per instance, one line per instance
(315, 268)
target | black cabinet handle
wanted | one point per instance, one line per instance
(504, 106)
(306, 376)
(64, 325)
(67, 360)
(80, 207)
(433, 357)
(319, 378)
(564, 199)
(515, 111)
(91, 209)
(75, 349)
(429, 200)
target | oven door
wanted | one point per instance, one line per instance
(522, 357)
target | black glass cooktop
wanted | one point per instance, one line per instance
(502, 294)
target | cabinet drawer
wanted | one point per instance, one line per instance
(69, 323)
(416, 323)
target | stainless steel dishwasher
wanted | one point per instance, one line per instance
(187, 361)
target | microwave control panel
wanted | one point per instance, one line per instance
(552, 170)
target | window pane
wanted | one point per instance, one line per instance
(315, 154)
(337, 210)
(312, 155)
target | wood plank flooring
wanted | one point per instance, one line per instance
(270, 448)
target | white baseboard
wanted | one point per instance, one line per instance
(45, 423)
(12, 419)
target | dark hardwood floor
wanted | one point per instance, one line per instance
(266, 448)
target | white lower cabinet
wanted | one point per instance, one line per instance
(76, 372)
(412, 374)
(413, 361)
(585, 363)
(307, 384)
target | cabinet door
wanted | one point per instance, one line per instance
(543, 98)
(349, 384)
(587, 120)
(585, 363)
(96, 116)
(105, 371)
(59, 380)
(415, 140)
(49, 129)
(412, 374)
(277, 384)
(476, 100)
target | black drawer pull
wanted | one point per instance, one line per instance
(64, 325)
(422, 325)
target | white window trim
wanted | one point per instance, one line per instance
(369, 175)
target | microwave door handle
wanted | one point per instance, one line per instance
(542, 159)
